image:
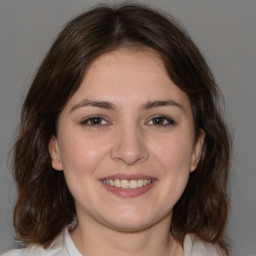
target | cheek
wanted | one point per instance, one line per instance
(174, 159)
(174, 153)
(80, 155)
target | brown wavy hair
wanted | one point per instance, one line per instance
(44, 204)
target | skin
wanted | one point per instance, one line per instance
(128, 138)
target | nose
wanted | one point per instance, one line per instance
(130, 146)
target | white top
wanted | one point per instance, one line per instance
(64, 246)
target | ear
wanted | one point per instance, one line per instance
(55, 154)
(196, 154)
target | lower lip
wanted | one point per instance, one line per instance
(124, 192)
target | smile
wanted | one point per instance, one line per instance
(127, 184)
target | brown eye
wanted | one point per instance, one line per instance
(161, 121)
(94, 121)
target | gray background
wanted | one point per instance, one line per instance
(224, 30)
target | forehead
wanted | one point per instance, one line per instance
(130, 53)
(127, 62)
(134, 74)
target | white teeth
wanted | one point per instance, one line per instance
(125, 184)
(117, 183)
(140, 183)
(133, 184)
(129, 184)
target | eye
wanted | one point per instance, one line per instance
(94, 121)
(161, 121)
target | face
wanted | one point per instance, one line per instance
(126, 142)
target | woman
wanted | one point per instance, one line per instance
(122, 148)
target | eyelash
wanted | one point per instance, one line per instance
(88, 121)
(164, 121)
(167, 121)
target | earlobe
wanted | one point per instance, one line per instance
(197, 150)
(55, 154)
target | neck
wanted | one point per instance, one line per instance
(92, 238)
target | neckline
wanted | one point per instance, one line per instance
(70, 246)
(73, 251)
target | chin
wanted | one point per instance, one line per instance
(130, 226)
(135, 222)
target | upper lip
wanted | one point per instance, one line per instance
(123, 176)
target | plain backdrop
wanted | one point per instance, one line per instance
(225, 31)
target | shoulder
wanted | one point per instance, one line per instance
(36, 250)
(57, 248)
(193, 246)
(31, 250)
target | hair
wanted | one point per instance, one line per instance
(44, 204)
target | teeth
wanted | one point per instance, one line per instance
(133, 184)
(129, 184)
(140, 183)
(125, 184)
(117, 183)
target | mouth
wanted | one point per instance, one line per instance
(128, 185)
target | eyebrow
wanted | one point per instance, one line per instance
(109, 106)
(160, 103)
(98, 104)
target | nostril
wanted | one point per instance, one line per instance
(131, 156)
(129, 146)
